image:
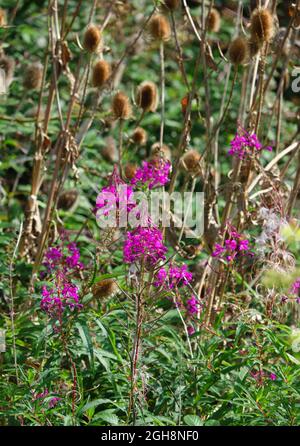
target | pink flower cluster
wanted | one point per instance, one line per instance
(192, 305)
(233, 246)
(61, 294)
(153, 173)
(52, 402)
(244, 144)
(117, 195)
(174, 277)
(144, 244)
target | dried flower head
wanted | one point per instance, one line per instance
(139, 136)
(214, 21)
(159, 28)
(101, 73)
(92, 39)
(172, 4)
(239, 51)
(254, 48)
(190, 161)
(109, 152)
(147, 96)
(67, 199)
(130, 170)
(104, 288)
(7, 65)
(294, 11)
(163, 151)
(262, 25)
(33, 76)
(121, 106)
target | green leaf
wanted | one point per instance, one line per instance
(193, 420)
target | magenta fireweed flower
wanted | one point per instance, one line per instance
(191, 330)
(273, 377)
(153, 173)
(61, 294)
(233, 246)
(144, 244)
(296, 286)
(244, 144)
(39, 396)
(53, 402)
(116, 196)
(174, 277)
(192, 306)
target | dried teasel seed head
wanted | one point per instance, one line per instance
(139, 136)
(109, 152)
(262, 25)
(104, 288)
(121, 106)
(163, 151)
(92, 39)
(214, 21)
(294, 11)
(238, 51)
(130, 170)
(33, 76)
(67, 199)
(254, 48)
(7, 65)
(172, 4)
(147, 96)
(159, 28)
(190, 161)
(101, 73)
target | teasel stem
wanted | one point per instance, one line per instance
(12, 308)
(218, 125)
(184, 326)
(179, 50)
(162, 93)
(187, 210)
(139, 302)
(120, 146)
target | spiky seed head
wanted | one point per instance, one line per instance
(163, 151)
(172, 4)
(33, 76)
(7, 64)
(190, 161)
(101, 73)
(121, 106)
(214, 21)
(254, 48)
(238, 51)
(92, 39)
(159, 28)
(139, 136)
(109, 152)
(262, 25)
(67, 199)
(147, 96)
(130, 170)
(104, 288)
